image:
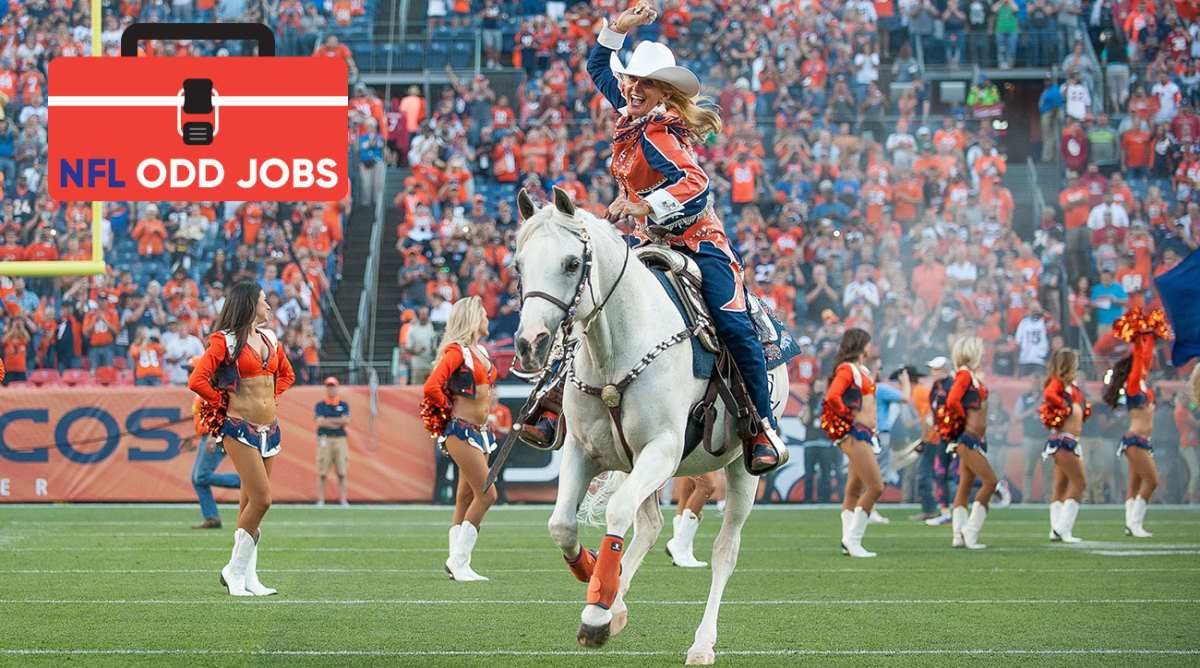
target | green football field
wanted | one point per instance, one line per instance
(133, 585)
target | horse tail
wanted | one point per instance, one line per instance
(595, 502)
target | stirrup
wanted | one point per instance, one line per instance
(540, 435)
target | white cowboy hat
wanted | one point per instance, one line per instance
(652, 60)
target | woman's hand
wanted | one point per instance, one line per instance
(622, 207)
(641, 14)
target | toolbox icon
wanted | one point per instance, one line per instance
(244, 128)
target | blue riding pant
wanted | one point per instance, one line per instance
(204, 477)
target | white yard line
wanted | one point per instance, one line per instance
(285, 601)
(600, 653)
(984, 571)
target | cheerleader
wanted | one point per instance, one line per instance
(963, 424)
(694, 492)
(239, 378)
(456, 406)
(1064, 410)
(1128, 377)
(848, 416)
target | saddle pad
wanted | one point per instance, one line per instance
(785, 347)
(702, 360)
(775, 354)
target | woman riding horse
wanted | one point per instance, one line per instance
(653, 161)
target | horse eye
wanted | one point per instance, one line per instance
(572, 265)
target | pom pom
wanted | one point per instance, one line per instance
(1087, 410)
(212, 416)
(835, 423)
(950, 424)
(1156, 323)
(1129, 325)
(1053, 416)
(435, 417)
(1134, 323)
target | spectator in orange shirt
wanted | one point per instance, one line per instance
(746, 175)
(101, 324)
(150, 233)
(1135, 283)
(332, 49)
(16, 349)
(147, 354)
(12, 250)
(906, 198)
(928, 277)
(1075, 207)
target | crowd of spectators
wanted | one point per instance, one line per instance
(850, 209)
(169, 263)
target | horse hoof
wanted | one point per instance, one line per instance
(619, 620)
(593, 636)
(695, 658)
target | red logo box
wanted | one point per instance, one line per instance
(153, 129)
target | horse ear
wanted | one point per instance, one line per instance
(525, 205)
(562, 201)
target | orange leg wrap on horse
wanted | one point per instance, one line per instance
(584, 565)
(606, 579)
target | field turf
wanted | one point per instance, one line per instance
(133, 585)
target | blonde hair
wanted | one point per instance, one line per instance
(1195, 383)
(700, 113)
(968, 352)
(462, 325)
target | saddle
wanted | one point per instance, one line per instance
(684, 276)
(681, 275)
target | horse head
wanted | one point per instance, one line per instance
(553, 261)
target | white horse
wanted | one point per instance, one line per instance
(575, 265)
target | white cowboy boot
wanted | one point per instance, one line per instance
(857, 529)
(1139, 517)
(876, 518)
(974, 526)
(958, 519)
(680, 546)
(233, 575)
(847, 524)
(675, 520)
(1056, 508)
(1066, 522)
(467, 536)
(252, 584)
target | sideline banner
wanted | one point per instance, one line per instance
(66, 444)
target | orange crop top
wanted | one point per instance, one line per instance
(457, 374)
(1061, 396)
(850, 384)
(208, 378)
(967, 392)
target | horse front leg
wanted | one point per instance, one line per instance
(646, 527)
(654, 466)
(575, 474)
(739, 501)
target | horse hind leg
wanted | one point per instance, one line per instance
(739, 501)
(651, 470)
(646, 527)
